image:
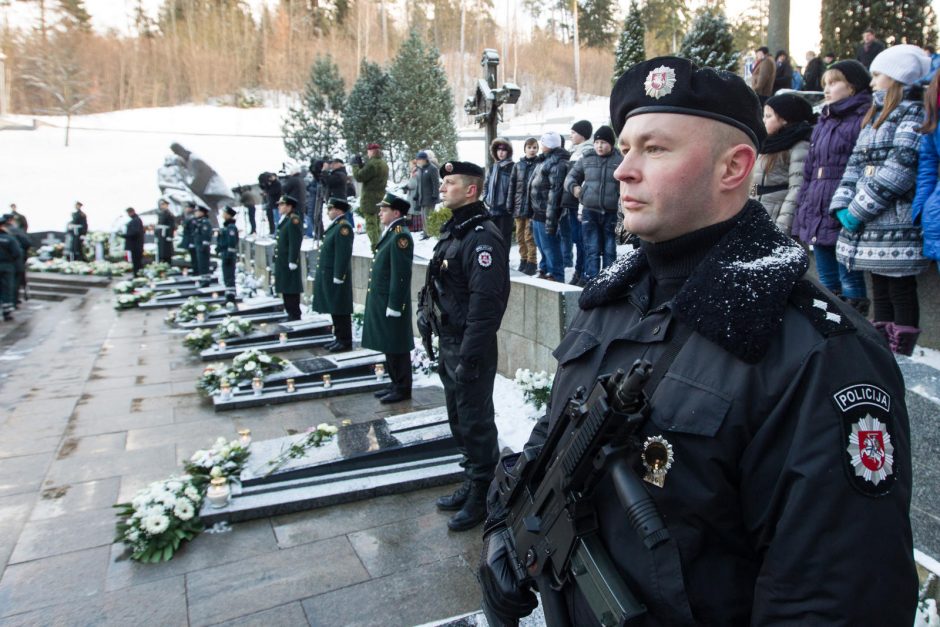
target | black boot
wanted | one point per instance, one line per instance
(522, 266)
(453, 502)
(383, 392)
(473, 511)
(530, 269)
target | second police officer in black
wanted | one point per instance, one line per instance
(163, 232)
(463, 302)
(227, 249)
(202, 242)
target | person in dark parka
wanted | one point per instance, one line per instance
(290, 234)
(519, 202)
(227, 249)
(134, 240)
(189, 240)
(25, 244)
(271, 186)
(164, 231)
(387, 325)
(332, 284)
(10, 255)
(333, 177)
(468, 281)
(76, 230)
(202, 242)
(496, 187)
(786, 482)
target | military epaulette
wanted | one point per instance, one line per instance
(820, 309)
(398, 229)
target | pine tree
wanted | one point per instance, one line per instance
(422, 105)
(665, 21)
(709, 42)
(596, 22)
(315, 127)
(74, 15)
(631, 48)
(842, 23)
(368, 115)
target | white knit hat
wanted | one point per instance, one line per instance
(550, 139)
(904, 63)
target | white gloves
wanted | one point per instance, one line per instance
(391, 313)
(337, 281)
(292, 266)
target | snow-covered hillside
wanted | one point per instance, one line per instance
(112, 159)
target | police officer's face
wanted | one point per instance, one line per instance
(455, 192)
(667, 177)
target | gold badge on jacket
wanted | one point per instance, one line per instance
(344, 230)
(403, 243)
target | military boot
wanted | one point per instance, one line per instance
(473, 511)
(453, 502)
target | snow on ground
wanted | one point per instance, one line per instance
(112, 160)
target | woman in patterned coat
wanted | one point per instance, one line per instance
(873, 201)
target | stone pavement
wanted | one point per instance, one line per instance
(96, 404)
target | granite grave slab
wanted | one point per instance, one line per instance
(276, 338)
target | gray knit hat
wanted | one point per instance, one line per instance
(904, 63)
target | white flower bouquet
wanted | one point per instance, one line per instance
(536, 386)
(233, 326)
(223, 459)
(127, 287)
(212, 379)
(421, 362)
(193, 307)
(159, 518)
(198, 340)
(245, 367)
(130, 301)
(311, 438)
(359, 315)
(62, 266)
(160, 270)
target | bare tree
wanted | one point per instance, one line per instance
(57, 74)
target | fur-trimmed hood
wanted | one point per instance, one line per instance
(737, 295)
(500, 141)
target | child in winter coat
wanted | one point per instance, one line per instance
(778, 173)
(496, 188)
(874, 200)
(519, 204)
(848, 99)
(926, 208)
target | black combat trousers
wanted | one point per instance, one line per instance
(342, 328)
(7, 287)
(292, 306)
(202, 260)
(470, 409)
(137, 260)
(193, 260)
(399, 371)
(228, 278)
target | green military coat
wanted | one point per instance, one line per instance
(290, 233)
(390, 287)
(374, 177)
(334, 263)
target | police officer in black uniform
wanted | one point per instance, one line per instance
(189, 239)
(11, 255)
(777, 448)
(202, 242)
(134, 240)
(227, 249)
(164, 231)
(463, 301)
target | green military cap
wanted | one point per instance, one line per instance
(287, 200)
(395, 202)
(337, 203)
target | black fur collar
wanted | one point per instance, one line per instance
(736, 297)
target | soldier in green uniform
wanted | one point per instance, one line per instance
(164, 231)
(332, 284)
(202, 240)
(189, 221)
(374, 177)
(387, 325)
(227, 249)
(290, 233)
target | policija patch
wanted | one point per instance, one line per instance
(867, 425)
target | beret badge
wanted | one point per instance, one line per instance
(659, 82)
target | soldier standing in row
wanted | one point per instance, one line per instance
(164, 231)
(77, 230)
(202, 240)
(189, 241)
(463, 302)
(290, 234)
(134, 240)
(332, 285)
(10, 256)
(227, 249)
(387, 326)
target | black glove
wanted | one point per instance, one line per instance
(357, 160)
(505, 599)
(467, 371)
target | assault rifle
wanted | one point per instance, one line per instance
(551, 525)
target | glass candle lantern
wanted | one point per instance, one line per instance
(201, 317)
(221, 345)
(282, 338)
(215, 294)
(225, 391)
(290, 386)
(379, 371)
(257, 385)
(244, 437)
(327, 381)
(218, 493)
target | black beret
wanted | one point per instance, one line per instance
(287, 200)
(396, 203)
(337, 203)
(792, 108)
(676, 85)
(855, 73)
(461, 167)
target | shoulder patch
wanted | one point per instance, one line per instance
(295, 219)
(344, 230)
(867, 425)
(403, 243)
(484, 248)
(484, 259)
(818, 307)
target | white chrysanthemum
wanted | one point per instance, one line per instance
(215, 472)
(250, 366)
(191, 493)
(132, 535)
(155, 525)
(220, 442)
(200, 308)
(265, 359)
(174, 486)
(184, 509)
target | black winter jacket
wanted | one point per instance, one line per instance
(10, 250)
(496, 188)
(786, 415)
(519, 186)
(427, 192)
(600, 191)
(334, 182)
(547, 186)
(294, 186)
